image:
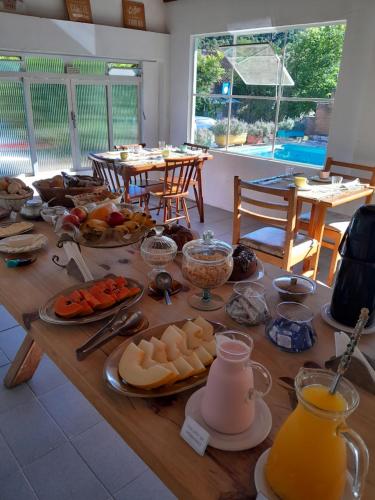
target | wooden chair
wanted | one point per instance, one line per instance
(177, 177)
(106, 170)
(196, 183)
(278, 243)
(142, 180)
(336, 224)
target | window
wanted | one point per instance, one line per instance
(54, 111)
(268, 95)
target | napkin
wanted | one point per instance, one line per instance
(360, 370)
(72, 252)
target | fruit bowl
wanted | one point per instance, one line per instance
(105, 225)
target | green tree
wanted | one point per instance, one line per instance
(313, 60)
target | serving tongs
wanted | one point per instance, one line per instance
(122, 323)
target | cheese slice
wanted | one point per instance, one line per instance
(207, 328)
(184, 368)
(210, 346)
(196, 363)
(160, 350)
(131, 370)
(204, 355)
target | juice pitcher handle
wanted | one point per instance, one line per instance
(361, 458)
(267, 380)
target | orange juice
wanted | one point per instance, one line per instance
(308, 458)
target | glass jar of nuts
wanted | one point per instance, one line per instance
(207, 263)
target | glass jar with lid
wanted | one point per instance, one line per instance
(158, 251)
(207, 263)
(248, 304)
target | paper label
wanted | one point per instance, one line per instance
(195, 435)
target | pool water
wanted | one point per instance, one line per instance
(300, 153)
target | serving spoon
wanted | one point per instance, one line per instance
(122, 323)
(163, 281)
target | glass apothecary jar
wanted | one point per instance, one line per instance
(158, 251)
(207, 263)
(248, 304)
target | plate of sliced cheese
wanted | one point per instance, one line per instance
(15, 229)
(163, 360)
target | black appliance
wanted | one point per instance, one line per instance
(355, 282)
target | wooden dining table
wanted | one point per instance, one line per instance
(150, 160)
(322, 197)
(151, 427)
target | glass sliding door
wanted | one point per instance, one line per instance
(91, 113)
(125, 113)
(50, 112)
(15, 158)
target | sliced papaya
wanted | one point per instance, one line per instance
(65, 308)
(93, 302)
(75, 296)
(121, 294)
(86, 308)
(110, 284)
(120, 281)
(106, 300)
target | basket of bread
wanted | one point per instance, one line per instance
(59, 189)
(105, 225)
(14, 193)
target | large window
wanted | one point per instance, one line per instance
(55, 111)
(268, 94)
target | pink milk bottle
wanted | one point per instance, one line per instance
(228, 401)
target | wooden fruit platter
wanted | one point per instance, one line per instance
(48, 314)
(114, 380)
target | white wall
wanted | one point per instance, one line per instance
(107, 12)
(47, 36)
(353, 122)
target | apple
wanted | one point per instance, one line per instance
(70, 220)
(79, 212)
(115, 219)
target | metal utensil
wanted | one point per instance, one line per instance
(163, 282)
(347, 356)
(122, 323)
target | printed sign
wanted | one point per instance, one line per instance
(134, 15)
(79, 10)
(195, 435)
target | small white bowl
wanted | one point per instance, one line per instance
(50, 213)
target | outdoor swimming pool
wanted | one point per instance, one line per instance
(300, 153)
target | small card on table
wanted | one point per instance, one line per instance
(195, 435)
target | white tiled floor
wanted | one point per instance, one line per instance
(54, 445)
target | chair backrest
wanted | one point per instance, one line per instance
(194, 147)
(178, 174)
(118, 147)
(351, 171)
(106, 170)
(287, 204)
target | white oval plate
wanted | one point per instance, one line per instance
(16, 229)
(250, 438)
(325, 312)
(23, 243)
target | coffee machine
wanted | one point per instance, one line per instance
(355, 282)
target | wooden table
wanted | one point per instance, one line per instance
(151, 427)
(130, 168)
(319, 204)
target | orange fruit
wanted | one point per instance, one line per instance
(102, 211)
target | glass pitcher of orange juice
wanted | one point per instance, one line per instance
(308, 458)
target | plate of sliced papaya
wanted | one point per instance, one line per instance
(91, 301)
